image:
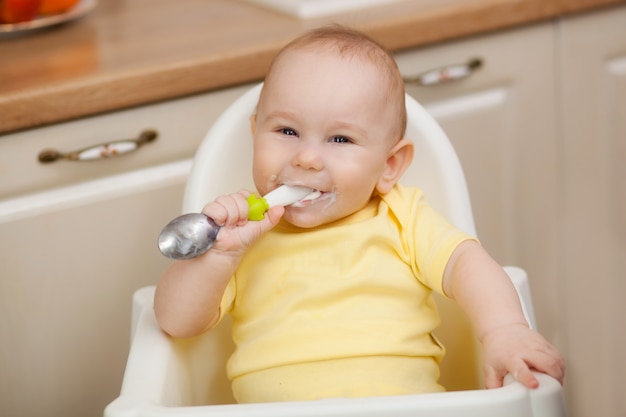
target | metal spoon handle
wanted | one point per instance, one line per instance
(190, 235)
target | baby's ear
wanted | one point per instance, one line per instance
(398, 161)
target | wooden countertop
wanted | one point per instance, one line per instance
(132, 52)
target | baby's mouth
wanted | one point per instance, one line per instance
(308, 199)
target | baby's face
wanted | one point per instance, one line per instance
(323, 122)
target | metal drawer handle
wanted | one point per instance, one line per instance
(446, 74)
(102, 151)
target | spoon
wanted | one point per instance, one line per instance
(190, 235)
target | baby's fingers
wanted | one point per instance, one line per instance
(493, 378)
(228, 210)
(522, 373)
(522, 370)
(272, 217)
(548, 362)
(518, 368)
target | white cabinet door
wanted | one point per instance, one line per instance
(501, 120)
(70, 261)
(593, 221)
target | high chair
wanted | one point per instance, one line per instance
(167, 377)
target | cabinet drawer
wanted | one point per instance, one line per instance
(180, 126)
(495, 62)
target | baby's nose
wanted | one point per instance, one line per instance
(309, 156)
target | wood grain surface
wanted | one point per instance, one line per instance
(132, 52)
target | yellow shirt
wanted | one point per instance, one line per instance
(344, 309)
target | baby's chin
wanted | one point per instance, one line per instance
(298, 218)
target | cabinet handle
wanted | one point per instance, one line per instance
(102, 151)
(446, 74)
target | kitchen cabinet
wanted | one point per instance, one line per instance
(539, 126)
(76, 240)
(502, 121)
(592, 224)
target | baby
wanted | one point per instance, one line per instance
(331, 297)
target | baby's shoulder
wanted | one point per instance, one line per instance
(404, 200)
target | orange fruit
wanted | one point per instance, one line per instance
(15, 11)
(56, 6)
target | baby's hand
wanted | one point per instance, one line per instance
(237, 233)
(517, 350)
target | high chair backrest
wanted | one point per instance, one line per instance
(223, 164)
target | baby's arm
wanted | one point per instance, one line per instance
(487, 295)
(188, 295)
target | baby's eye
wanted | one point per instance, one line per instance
(340, 139)
(288, 131)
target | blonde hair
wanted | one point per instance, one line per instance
(349, 43)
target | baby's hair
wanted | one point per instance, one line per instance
(349, 43)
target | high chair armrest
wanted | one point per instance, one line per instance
(519, 278)
(151, 359)
(547, 400)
